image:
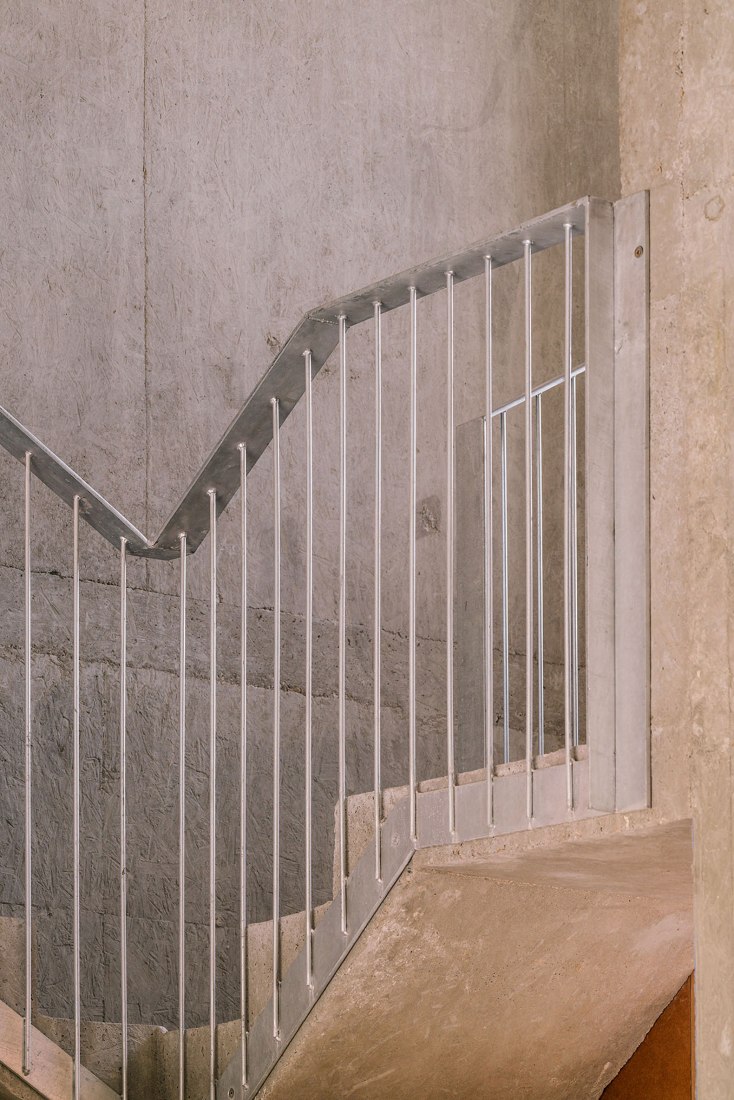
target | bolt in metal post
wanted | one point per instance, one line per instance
(28, 745)
(182, 821)
(276, 717)
(212, 793)
(377, 623)
(529, 631)
(123, 808)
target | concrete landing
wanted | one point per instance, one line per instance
(525, 977)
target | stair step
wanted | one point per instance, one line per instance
(52, 1072)
(101, 1044)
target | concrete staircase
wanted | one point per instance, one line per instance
(529, 964)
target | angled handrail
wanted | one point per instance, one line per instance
(318, 333)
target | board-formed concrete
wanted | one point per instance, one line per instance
(676, 100)
(182, 181)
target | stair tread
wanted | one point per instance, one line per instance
(51, 1075)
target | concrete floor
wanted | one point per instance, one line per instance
(532, 976)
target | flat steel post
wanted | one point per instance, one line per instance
(276, 717)
(377, 612)
(28, 766)
(450, 760)
(182, 819)
(529, 625)
(123, 810)
(212, 793)
(76, 802)
(539, 569)
(488, 547)
(505, 593)
(308, 366)
(412, 505)
(244, 978)
(574, 564)
(341, 815)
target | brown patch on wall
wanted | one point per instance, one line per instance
(662, 1066)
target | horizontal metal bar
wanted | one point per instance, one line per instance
(284, 380)
(518, 401)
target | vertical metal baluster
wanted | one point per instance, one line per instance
(450, 551)
(488, 549)
(212, 792)
(574, 568)
(123, 808)
(567, 600)
(76, 803)
(342, 618)
(244, 988)
(539, 576)
(412, 563)
(182, 821)
(276, 717)
(28, 743)
(529, 631)
(377, 624)
(505, 594)
(309, 667)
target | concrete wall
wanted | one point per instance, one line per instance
(676, 101)
(182, 181)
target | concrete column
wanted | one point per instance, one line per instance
(676, 102)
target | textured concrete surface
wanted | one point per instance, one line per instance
(12, 963)
(182, 181)
(677, 95)
(477, 980)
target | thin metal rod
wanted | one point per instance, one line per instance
(538, 390)
(276, 717)
(574, 567)
(309, 668)
(450, 550)
(28, 745)
(529, 631)
(412, 784)
(76, 803)
(123, 808)
(567, 597)
(539, 574)
(212, 793)
(244, 988)
(342, 618)
(182, 820)
(488, 549)
(505, 594)
(377, 619)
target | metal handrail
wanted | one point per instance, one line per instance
(284, 381)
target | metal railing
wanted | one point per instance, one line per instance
(254, 429)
